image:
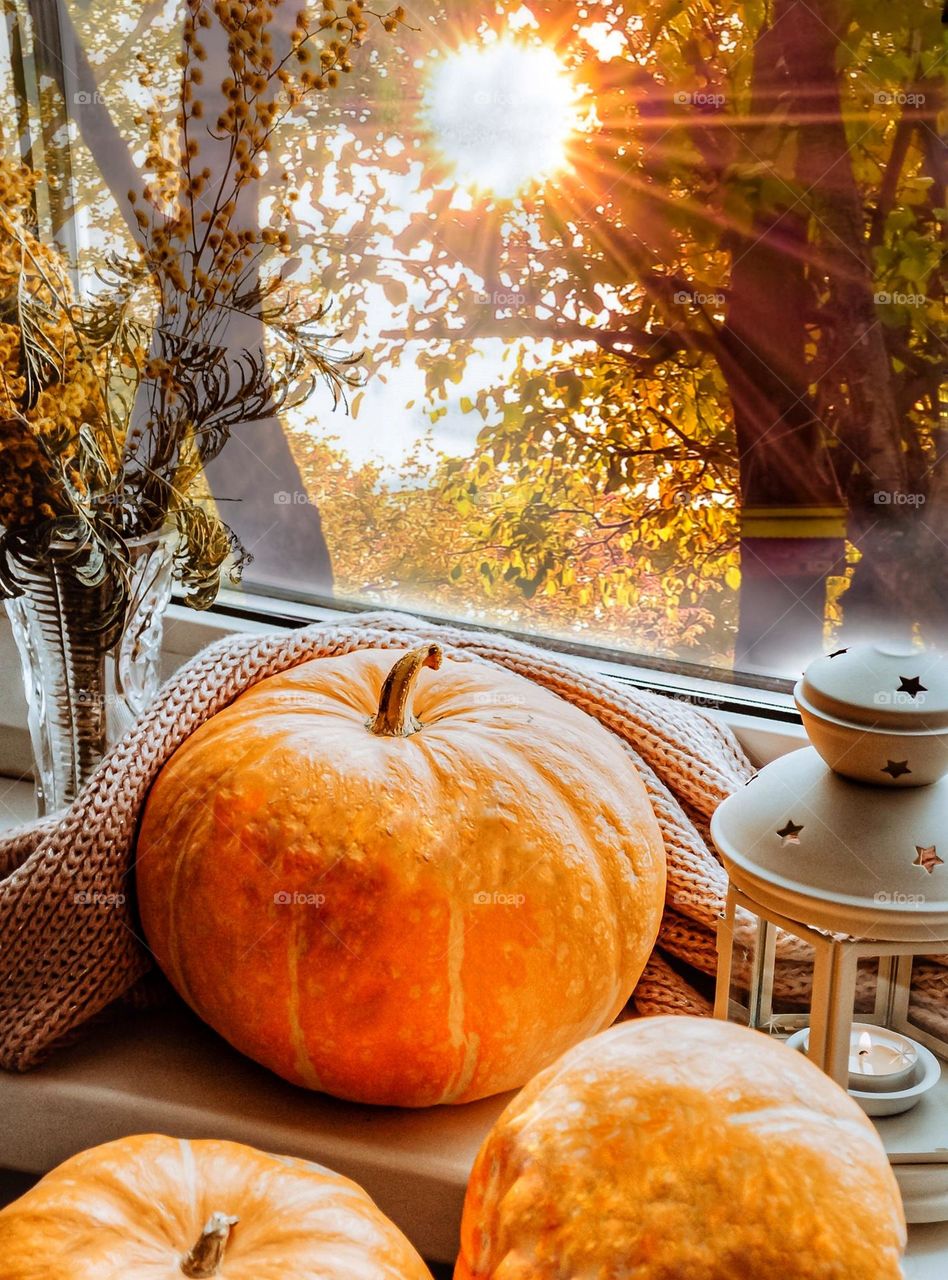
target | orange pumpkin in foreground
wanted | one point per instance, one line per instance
(156, 1208)
(682, 1149)
(405, 884)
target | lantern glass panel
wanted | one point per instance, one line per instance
(738, 945)
(793, 983)
(872, 1000)
(927, 1013)
(771, 974)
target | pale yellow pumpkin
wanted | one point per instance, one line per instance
(409, 895)
(682, 1149)
(155, 1208)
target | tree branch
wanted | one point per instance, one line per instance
(647, 348)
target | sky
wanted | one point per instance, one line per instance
(499, 113)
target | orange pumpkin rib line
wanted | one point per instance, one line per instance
(304, 1062)
(466, 1043)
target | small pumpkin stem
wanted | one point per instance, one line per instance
(207, 1255)
(395, 718)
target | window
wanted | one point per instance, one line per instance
(651, 299)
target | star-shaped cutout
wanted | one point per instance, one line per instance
(896, 768)
(837, 653)
(911, 685)
(790, 834)
(927, 857)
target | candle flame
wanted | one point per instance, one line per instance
(865, 1048)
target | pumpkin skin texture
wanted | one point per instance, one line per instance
(424, 914)
(136, 1209)
(680, 1147)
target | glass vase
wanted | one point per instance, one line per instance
(85, 683)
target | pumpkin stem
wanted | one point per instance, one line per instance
(395, 718)
(207, 1255)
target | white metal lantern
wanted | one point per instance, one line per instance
(836, 926)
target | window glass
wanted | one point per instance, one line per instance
(650, 301)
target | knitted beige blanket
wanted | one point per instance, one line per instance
(69, 939)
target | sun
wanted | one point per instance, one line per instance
(501, 115)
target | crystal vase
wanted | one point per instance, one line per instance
(85, 683)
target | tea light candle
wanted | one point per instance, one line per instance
(880, 1060)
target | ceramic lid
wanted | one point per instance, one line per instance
(893, 687)
(823, 850)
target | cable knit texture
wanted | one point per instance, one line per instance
(69, 942)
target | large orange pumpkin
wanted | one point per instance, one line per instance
(404, 884)
(682, 1149)
(156, 1208)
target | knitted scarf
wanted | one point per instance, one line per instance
(70, 944)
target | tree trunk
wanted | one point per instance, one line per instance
(254, 479)
(903, 572)
(869, 424)
(792, 530)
